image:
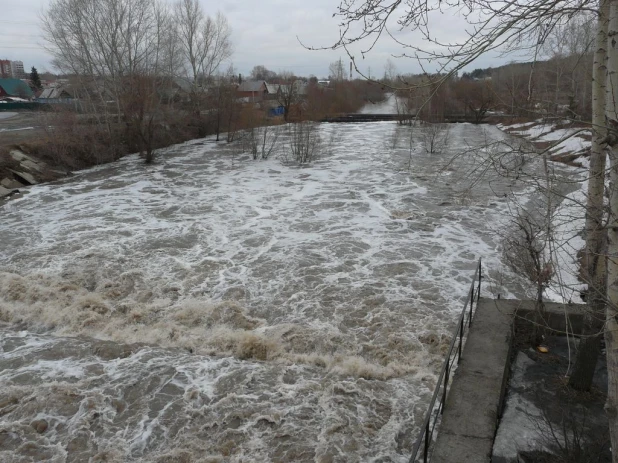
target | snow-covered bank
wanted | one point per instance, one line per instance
(569, 144)
(564, 141)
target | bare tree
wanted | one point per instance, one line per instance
(390, 71)
(119, 50)
(305, 143)
(404, 105)
(477, 97)
(567, 45)
(511, 85)
(289, 93)
(260, 72)
(434, 137)
(224, 107)
(595, 263)
(205, 41)
(611, 327)
(527, 252)
(262, 141)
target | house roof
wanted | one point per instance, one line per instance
(15, 87)
(54, 93)
(299, 87)
(272, 88)
(48, 93)
(252, 86)
(183, 84)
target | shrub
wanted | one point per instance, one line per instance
(305, 143)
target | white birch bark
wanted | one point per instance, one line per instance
(595, 232)
(611, 329)
(595, 268)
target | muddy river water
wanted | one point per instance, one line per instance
(215, 308)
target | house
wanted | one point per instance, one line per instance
(298, 89)
(58, 94)
(15, 88)
(302, 88)
(254, 90)
(272, 91)
(176, 89)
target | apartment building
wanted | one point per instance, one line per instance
(17, 70)
(5, 69)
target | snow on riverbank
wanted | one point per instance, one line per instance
(569, 144)
(564, 141)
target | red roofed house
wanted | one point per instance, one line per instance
(255, 90)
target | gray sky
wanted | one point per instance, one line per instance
(264, 32)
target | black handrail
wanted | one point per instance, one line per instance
(431, 418)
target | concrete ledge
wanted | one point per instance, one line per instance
(466, 449)
(475, 399)
(556, 314)
(474, 402)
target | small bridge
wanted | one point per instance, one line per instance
(448, 118)
(363, 118)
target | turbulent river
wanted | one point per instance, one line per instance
(215, 308)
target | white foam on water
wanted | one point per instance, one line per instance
(312, 306)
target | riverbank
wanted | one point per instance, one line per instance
(38, 147)
(17, 169)
(544, 420)
(565, 141)
(24, 162)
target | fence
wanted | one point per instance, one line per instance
(31, 106)
(436, 406)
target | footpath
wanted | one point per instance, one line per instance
(471, 412)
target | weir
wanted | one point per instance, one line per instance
(357, 117)
(448, 118)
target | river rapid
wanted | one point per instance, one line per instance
(215, 308)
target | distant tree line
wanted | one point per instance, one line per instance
(145, 74)
(556, 83)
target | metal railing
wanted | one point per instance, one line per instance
(436, 406)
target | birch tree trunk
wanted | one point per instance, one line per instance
(611, 328)
(596, 268)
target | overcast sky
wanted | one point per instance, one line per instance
(264, 33)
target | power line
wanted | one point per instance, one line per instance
(21, 48)
(27, 35)
(20, 43)
(8, 21)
